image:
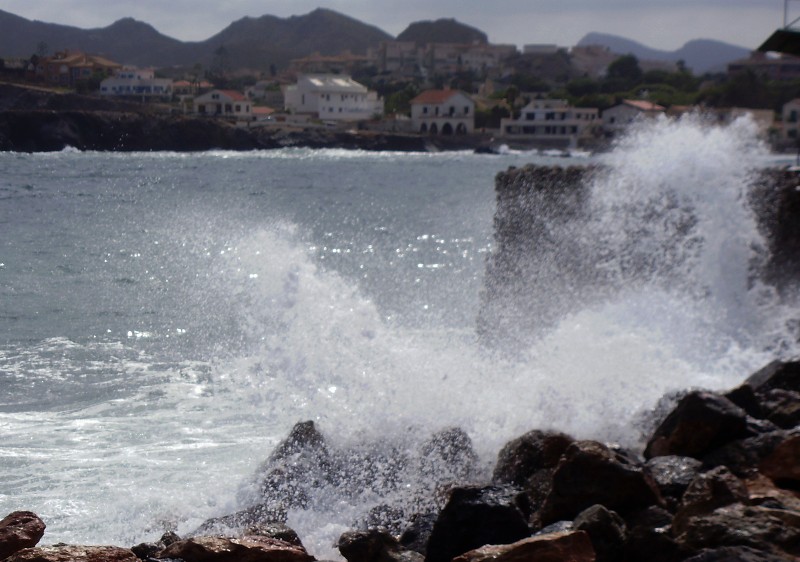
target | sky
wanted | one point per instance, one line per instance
(661, 24)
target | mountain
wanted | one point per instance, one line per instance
(442, 31)
(255, 43)
(700, 55)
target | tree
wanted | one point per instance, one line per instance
(625, 68)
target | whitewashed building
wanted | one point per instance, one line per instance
(443, 112)
(552, 123)
(619, 117)
(332, 97)
(136, 82)
(224, 103)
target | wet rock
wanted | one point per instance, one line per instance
(776, 375)
(702, 421)
(757, 527)
(708, 491)
(418, 531)
(18, 530)
(477, 516)
(150, 550)
(673, 474)
(375, 545)
(244, 549)
(448, 456)
(572, 546)
(591, 473)
(738, 554)
(744, 456)
(236, 523)
(772, 393)
(649, 537)
(783, 464)
(521, 458)
(69, 553)
(606, 530)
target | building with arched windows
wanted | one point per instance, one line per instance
(443, 112)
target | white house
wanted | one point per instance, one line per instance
(224, 103)
(791, 119)
(138, 82)
(619, 117)
(443, 112)
(552, 123)
(332, 97)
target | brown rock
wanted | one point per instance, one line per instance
(701, 422)
(374, 545)
(18, 530)
(783, 464)
(708, 491)
(567, 546)
(69, 553)
(245, 549)
(521, 458)
(591, 473)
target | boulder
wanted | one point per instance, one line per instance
(783, 464)
(476, 516)
(673, 474)
(708, 491)
(244, 549)
(149, 550)
(374, 545)
(738, 554)
(744, 456)
(606, 530)
(69, 553)
(757, 527)
(568, 546)
(648, 537)
(702, 421)
(18, 530)
(448, 456)
(591, 473)
(772, 393)
(418, 531)
(521, 458)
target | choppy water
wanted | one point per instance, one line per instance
(166, 318)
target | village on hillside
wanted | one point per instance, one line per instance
(543, 96)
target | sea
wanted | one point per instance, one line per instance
(166, 318)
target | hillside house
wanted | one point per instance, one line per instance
(136, 82)
(332, 97)
(619, 117)
(69, 69)
(551, 123)
(224, 103)
(444, 112)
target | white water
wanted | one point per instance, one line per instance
(245, 315)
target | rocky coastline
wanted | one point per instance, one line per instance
(34, 120)
(718, 480)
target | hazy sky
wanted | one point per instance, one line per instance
(663, 24)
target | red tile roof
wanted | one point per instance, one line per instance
(434, 96)
(643, 105)
(234, 95)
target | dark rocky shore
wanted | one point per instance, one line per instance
(718, 481)
(42, 121)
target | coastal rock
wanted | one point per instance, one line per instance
(374, 545)
(69, 553)
(738, 554)
(744, 456)
(149, 550)
(772, 393)
(757, 527)
(673, 474)
(702, 421)
(520, 458)
(591, 473)
(568, 546)
(18, 530)
(606, 530)
(649, 537)
(708, 491)
(448, 456)
(783, 464)
(244, 549)
(477, 516)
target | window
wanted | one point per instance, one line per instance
(425, 109)
(466, 110)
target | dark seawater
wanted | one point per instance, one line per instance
(166, 318)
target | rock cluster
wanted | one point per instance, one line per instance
(718, 480)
